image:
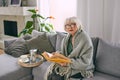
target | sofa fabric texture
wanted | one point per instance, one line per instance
(52, 39)
(95, 41)
(102, 76)
(108, 58)
(17, 48)
(40, 71)
(40, 42)
(10, 70)
(50, 36)
(23, 44)
(59, 38)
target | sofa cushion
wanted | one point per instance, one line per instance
(17, 48)
(108, 58)
(10, 41)
(35, 33)
(40, 42)
(60, 36)
(11, 70)
(27, 37)
(40, 71)
(102, 76)
(51, 36)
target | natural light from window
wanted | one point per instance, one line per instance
(60, 9)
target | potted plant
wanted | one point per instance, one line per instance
(39, 23)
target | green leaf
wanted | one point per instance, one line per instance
(38, 15)
(50, 25)
(47, 29)
(24, 31)
(30, 30)
(42, 24)
(33, 16)
(32, 10)
(29, 24)
(19, 34)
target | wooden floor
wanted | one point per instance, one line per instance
(1, 51)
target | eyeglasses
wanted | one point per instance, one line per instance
(72, 25)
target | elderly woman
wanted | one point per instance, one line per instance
(77, 46)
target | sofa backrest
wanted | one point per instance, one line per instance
(54, 38)
(95, 41)
(108, 58)
(50, 36)
(60, 36)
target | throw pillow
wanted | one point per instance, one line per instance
(108, 58)
(17, 48)
(40, 42)
(27, 37)
(36, 33)
(9, 42)
(52, 38)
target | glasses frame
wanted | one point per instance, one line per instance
(72, 25)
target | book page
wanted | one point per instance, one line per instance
(58, 58)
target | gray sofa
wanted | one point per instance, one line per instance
(106, 60)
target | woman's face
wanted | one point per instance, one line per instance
(71, 28)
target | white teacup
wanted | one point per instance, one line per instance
(24, 58)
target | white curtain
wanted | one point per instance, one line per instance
(101, 18)
(116, 22)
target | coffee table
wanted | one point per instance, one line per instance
(38, 61)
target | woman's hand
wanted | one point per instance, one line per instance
(57, 54)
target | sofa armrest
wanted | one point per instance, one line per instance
(40, 71)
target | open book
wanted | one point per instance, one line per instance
(58, 58)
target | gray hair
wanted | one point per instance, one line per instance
(73, 20)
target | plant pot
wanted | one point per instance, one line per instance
(36, 24)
